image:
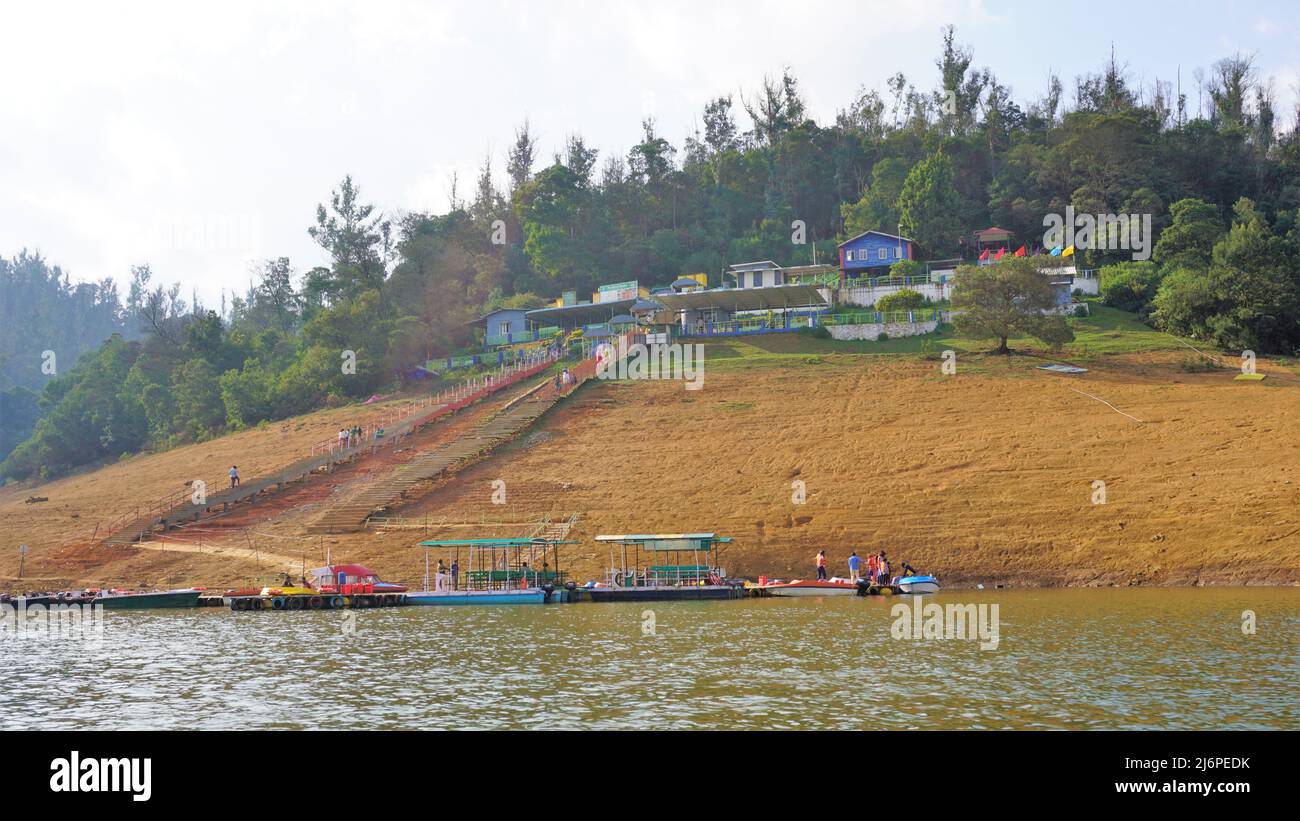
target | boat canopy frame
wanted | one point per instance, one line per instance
(669, 550)
(502, 563)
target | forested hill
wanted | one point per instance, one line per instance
(1212, 165)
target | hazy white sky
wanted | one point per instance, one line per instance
(199, 138)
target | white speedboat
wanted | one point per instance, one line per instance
(827, 587)
(918, 584)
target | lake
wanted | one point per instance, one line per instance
(1065, 659)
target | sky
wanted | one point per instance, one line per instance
(199, 138)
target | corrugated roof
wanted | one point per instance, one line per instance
(877, 233)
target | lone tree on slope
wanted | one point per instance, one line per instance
(1007, 299)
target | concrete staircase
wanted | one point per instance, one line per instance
(349, 515)
(180, 509)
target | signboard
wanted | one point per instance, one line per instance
(618, 291)
(569, 298)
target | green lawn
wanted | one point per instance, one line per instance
(1106, 331)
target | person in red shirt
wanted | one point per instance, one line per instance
(873, 567)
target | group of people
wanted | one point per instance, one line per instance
(446, 575)
(563, 380)
(350, 436)
(877, 567)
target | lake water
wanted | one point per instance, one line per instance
(1135, 658)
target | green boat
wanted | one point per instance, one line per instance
(123, 600)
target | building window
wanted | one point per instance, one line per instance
(848, 256)
(503, 327)
(898, 253)
(884, 253)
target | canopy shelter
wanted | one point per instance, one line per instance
(351, 572)
(731, 300)
(501, 564)
(575, 316)
(712, 311)
(675, 559)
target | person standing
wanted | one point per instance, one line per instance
(455, 574)
(873, 566)
(821, 565)
(440, 579)
(234, 476)
(883, 576)
(854, 564)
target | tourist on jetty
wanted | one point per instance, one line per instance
(234, 476)
(854, 564)
(455, 574)
(821, 565)
(883, 575)
(440, 579)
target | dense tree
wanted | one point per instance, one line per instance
(929, 207)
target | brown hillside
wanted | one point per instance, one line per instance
(985, 476)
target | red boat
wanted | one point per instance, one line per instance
(351, 578)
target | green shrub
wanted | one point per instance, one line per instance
(1130, 286)
(904, 300)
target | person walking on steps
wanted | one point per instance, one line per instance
(234, 476)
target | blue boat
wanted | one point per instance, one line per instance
(496, 571)
(918, 584)
(438, 598)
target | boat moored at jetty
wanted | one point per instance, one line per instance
(496, 571)
(917, 584)
(675, 566)
(347, 578)
(811, 587)
(148, 600)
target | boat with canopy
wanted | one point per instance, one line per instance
(494, 571)
(662, 567)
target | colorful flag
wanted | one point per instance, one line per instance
(1068, 252)
(1020, 252)
(1056, 252)
(984, 257)
(999, 254)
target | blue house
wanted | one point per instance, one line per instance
(503, 326)
(872, 252)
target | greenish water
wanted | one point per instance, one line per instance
(1065, 659)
